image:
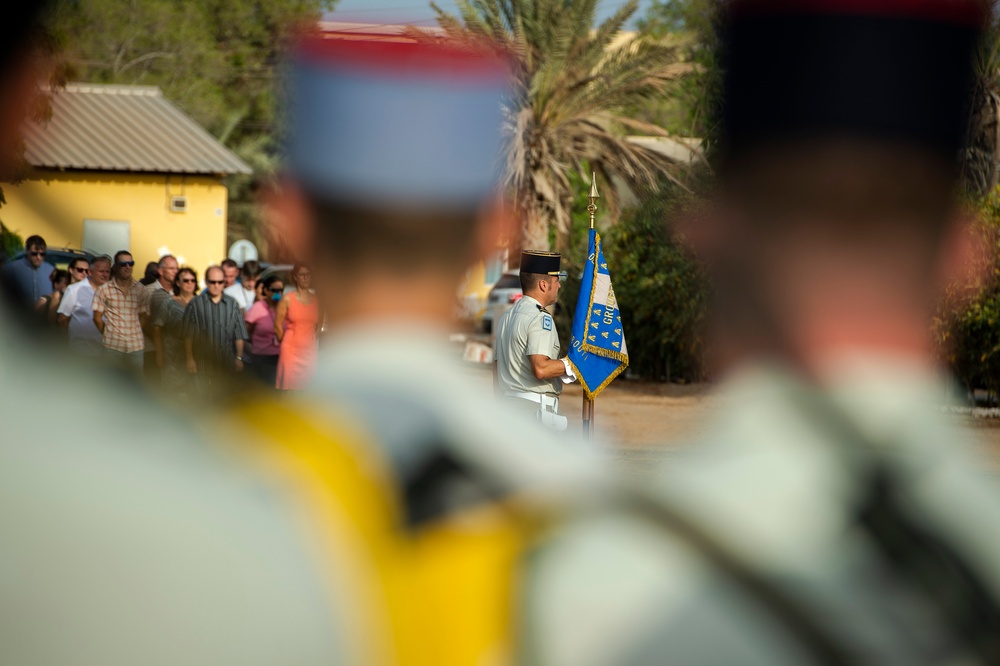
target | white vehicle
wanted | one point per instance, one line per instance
(284, 271)
(503, 295)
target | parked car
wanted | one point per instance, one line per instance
(284, 271)
(61, 256)
(503, 295)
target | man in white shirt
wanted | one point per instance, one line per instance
(244, 292)
(76, 313)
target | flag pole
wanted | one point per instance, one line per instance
(588, 403)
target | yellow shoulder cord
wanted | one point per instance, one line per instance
(441, 594)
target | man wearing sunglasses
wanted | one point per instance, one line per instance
(121, 308)
(76, 309)
(214, 334)
(28, 277)
(79, 269)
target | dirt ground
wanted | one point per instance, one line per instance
(645, 422)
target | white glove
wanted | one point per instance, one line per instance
(570, 376)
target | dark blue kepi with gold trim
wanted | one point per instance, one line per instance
(540, 263)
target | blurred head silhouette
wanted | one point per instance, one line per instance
(393, 163)
(837, 220)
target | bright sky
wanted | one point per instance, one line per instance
(418, 12)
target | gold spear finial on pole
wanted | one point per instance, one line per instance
(592, 197)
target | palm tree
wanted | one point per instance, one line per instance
(246, 218)
(574, 88)
(981, 157)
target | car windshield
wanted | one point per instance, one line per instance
(508, 282)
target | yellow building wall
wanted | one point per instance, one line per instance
(55, 204)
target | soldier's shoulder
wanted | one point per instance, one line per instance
(177, 504)
(537, 318)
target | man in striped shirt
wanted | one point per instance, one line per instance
(214, 332)
(121, 306)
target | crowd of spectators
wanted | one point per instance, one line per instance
(186, 341)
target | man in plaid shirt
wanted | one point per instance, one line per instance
(121, 307)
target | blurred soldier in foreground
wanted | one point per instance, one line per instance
(832, 514)
(528, 371)
(126, 537)
(425, 481)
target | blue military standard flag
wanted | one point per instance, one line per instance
(597, 342)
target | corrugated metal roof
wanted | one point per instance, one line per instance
(124, 128)
(375, 32)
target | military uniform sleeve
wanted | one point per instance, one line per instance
(540, 332)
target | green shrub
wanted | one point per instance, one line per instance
(10, 243)
(662, 290)
(967, 326)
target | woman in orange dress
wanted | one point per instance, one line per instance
(295, 326)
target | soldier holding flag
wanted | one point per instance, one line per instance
(528, 371)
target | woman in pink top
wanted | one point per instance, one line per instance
(260, 326)
(297, 360)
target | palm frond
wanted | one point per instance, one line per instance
(574, 87)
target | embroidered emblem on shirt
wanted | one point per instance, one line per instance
(547, 323)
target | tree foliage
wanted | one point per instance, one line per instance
(210, 57)
(663, 288)
(575, 85)
(967, 324)
(662, 292)
(216, 59)
(692, 110)
(982, 153)
(10, 243)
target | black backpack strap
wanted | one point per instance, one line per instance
(929, 564)
(801, 621)
(919, 554)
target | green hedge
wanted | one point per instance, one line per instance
(967, 325)
(663, 292)
(660, 290)
(664, 297)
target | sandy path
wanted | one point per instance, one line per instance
(644, 422)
